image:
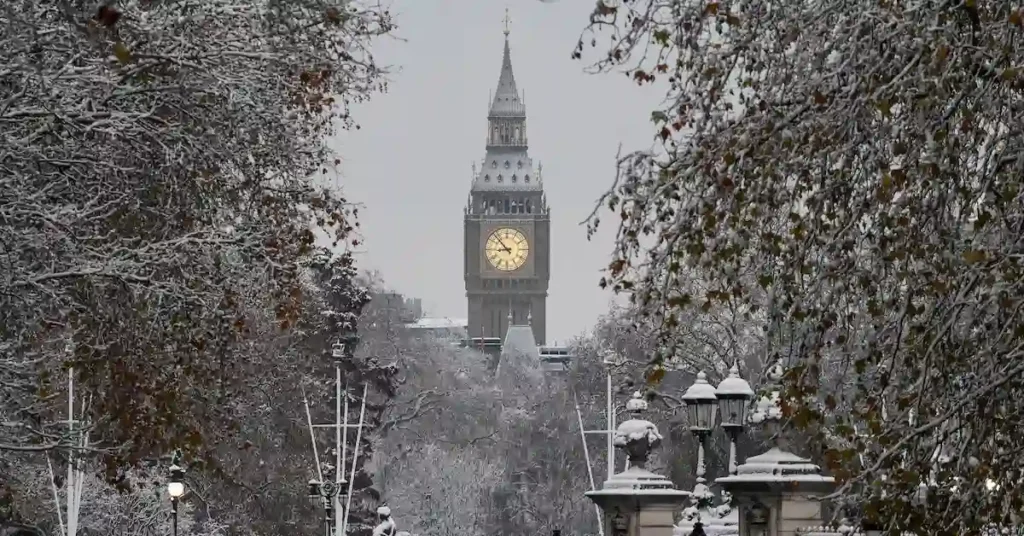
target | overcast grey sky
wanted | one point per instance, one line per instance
(410, 162)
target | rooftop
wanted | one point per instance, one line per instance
(439, 323)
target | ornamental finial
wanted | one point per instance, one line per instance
(507, 20)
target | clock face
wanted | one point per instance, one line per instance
(507, 249)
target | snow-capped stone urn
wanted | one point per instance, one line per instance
(637, 502)
(777, 492)
(636, 436)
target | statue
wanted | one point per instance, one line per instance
(386, 527)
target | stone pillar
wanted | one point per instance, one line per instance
(778, 493)
(638, 502)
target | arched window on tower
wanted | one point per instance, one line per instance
(495, 137)
(517, 135)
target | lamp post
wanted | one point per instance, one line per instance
(175, 488)
(327, 493)
(703, 401)
(611, 360)
(701, 406)
(343, 351)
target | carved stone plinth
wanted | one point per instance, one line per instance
(777, 493)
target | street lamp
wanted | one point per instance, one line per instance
(349, 342)
(703, 402)
(701, 406)
(325, 492)
(175, 488)
(734, 395)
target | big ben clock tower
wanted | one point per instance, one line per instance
(507, 223)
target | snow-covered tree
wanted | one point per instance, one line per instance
(443, 490)
(452, 419)
(162, 186)
(157, 156)
(142, 510)
(850, 175)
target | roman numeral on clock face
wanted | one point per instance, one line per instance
(507, 249)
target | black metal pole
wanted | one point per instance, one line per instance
(327, 516)
(174, 516)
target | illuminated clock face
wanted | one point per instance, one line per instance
(507, 249)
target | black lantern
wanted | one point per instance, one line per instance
(175, 486)
(734, 395)
(349, 341)
(701, 405)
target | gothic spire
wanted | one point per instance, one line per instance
(507, 101)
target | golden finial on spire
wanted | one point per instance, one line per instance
(507, 21)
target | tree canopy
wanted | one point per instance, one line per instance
(168, 230)
(847, 176)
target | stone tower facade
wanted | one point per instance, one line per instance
(507, 224)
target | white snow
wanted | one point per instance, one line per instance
(700, 390)
(734, 386)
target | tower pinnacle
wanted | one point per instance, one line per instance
(506, 101)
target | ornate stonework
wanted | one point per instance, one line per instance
(506, 199)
